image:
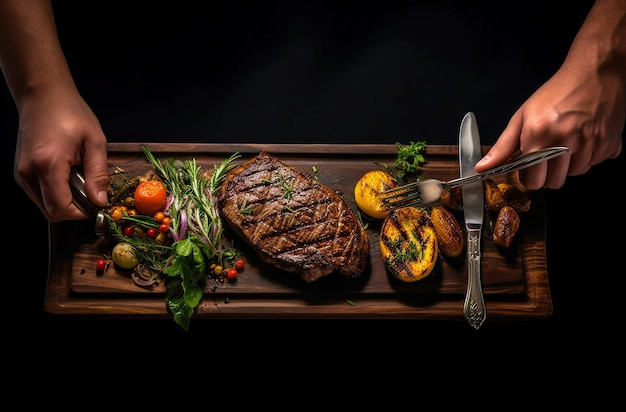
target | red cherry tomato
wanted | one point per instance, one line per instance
(128, 231)
(231, 273)
(239, 264)
(152, 233)
(101, 265)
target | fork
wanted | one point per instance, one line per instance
(428, 191)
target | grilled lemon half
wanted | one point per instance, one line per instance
(408, 243)
(368, 193)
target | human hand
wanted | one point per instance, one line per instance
(583, 110)
(58, 130)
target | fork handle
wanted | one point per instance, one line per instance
(520, 162)
(474, 305)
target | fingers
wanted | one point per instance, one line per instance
(32, 190)
(57, 196)
(51, 193)
(44, 175)
(550, 174)
(557, 171)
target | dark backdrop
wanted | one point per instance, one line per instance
(325, 72)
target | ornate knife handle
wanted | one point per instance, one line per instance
(474, 306)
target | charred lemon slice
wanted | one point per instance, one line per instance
(408, 243)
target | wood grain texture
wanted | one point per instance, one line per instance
(515, 280)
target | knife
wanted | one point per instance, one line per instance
(473, 210)
(80, 199)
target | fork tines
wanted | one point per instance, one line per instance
(402, 196)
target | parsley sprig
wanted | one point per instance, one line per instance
(410, 157)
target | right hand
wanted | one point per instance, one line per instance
(58, 130)
(581, 109)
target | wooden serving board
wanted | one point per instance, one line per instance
(515, 280)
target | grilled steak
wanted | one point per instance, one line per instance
(292, 221)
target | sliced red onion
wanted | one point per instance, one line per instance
(139, 281)
(183, 225)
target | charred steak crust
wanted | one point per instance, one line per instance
(292, 221)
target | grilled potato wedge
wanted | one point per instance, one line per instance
(450, 235)
(408, 243)
(452, 198)
(506, 226)
(493, 196)
(514, 197)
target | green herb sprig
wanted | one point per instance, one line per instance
(410, 157)
(197, 230)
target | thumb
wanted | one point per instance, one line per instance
(96, 172)
(504, 148)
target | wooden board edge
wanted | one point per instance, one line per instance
(59, 301)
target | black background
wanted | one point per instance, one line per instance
(300, 72)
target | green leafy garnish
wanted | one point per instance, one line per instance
(410, 157)
(197, 228)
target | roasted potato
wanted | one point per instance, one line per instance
(452, 198)
(408, 244)
(514, 197)
(450, 235)
(493, 196)
(506, 226)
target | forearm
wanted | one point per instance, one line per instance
(601, 41)
(30, 53)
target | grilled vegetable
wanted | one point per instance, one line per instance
(506, 226)
(368, 192)
(408, 243)
(514, 197)
(493, 196)
(452, 198)
(450, 236)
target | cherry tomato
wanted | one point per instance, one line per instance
(239, 264)
(129, 230)
(101, 265)
(231, 273)
(152, 233)
(164, 228)
(159, 216)
(117, 212)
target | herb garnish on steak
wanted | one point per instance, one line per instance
(293, 222)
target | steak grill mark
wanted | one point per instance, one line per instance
(297, 224)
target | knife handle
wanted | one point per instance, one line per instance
(474, 306)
